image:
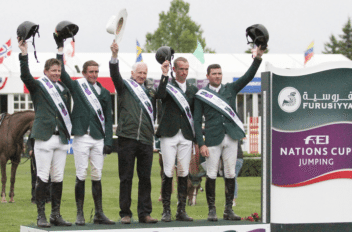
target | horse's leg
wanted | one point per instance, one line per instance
(12, 180)
(3, 178)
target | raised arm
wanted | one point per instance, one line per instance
(108, 122)
(114, 70)
(249, 75)
(26, 76)
(161, 92)
(65, 78)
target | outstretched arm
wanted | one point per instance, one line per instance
(114, 70)
(249, 75)
(65, 78)
(161, 92)
(26, 76)
(108, 122)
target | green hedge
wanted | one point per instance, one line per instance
(251, 167)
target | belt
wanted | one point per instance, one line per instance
(56, 133)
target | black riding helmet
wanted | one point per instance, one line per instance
(164, 53)
(258, 34)
(66, 29)
(25, 31)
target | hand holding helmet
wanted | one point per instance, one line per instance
(163, 54)
(165, 67)
(23, 46)
(259, 35)
(64, 30)
(25, 31)
(58, 40)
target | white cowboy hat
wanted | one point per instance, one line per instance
(116, 25)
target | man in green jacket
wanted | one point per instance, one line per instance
(136, 104)
(176, 132)
(92, 128)
(223, 129)
(51, 131)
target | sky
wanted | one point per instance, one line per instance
(292, 25)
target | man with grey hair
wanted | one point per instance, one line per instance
(135, 131)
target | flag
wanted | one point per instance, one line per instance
(5, 50)
(139, 53)
(199, 54)
(309, 53)
(69, 52)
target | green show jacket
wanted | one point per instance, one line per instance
(83, 116)
(133, 121)
(216, 123)
(47, 116)
(172, 117)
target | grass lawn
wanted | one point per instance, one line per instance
(22, 212)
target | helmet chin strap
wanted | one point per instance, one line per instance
(172, 71)
(35, 50)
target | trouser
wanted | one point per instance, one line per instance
(128, 151)
(228, 150)
(172, 147)
(87, 148)
(50, 157)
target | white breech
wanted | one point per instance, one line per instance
(172, 147)
(228, 150)
(86, 148)
(50, 157)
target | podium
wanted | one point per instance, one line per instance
(174, 226)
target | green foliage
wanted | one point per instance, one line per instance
(176, 30)
(342, 46)
(245, 154)
(251, 167)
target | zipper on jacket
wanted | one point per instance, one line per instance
(140, 123)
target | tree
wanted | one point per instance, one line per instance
(344, 45)
(177, 30)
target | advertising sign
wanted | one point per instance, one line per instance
(310, 115)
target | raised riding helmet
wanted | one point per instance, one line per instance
(258, 34)
(164, 53)
(66, 29)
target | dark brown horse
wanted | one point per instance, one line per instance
(12, 130)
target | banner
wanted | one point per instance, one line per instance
(309, 130)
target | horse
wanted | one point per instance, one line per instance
(12, 129)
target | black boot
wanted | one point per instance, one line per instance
(48, 192)
(55, 217)
(229, 193)
(99, 217)
(79, 195)
(40, 200)
(210, 192)
(181, 214)
(166, 189)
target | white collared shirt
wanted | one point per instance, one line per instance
(97, 88)
(182, 86)
(215, 89)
